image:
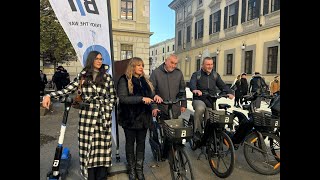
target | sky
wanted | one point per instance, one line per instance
(162, 20)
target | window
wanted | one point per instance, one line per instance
(214, 22)
(189, 10)
(231, 15)
(150, 62)
(172, 47)
(156, 52)
(248, 62)
(229, 63)
(214, 58)
(168, 49)
(272, 60)
(198, 29)
(179, 38)
(252, 10)
(162, 58)
(151, 53)
(163, 50)
(126, 51)
(180, 16)
(126, 9)
(232, 12)
(265, 7)
(198, 64)
(188, 34)
(275, 5)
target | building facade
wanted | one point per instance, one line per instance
(130, 30)
(159, 52)
(240, 35)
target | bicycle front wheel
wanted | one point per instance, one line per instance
(221, 157)
(180, 165)
(263, 154)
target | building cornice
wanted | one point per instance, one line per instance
(230, 37)
(162, 42)
(214, 2)
(198, 12)
(133, 31)
(177, 4)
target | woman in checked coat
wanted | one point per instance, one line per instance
(94, 133)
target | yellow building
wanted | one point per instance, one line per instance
(240, 35)
(130, 30)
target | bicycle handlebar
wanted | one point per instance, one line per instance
(170, 102)
(214, 96)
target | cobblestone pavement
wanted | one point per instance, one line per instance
(50, 130)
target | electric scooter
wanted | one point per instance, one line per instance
(62, 155)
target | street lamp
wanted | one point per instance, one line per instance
(243, 46)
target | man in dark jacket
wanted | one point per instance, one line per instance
(168, 82)
(207, 83)
(257, 85)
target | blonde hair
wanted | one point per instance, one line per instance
(130, 71)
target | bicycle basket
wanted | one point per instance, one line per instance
(220, 117)
(177, 129)
(265, 119)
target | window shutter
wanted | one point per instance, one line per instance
(225, 17)
(243, 13)
(195, 31)
(219, 20)
(210, 24)
(236, 13)
(201, 27)
(258, 8)
(265, 7)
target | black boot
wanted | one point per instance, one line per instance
(139, 165)
(131, 166)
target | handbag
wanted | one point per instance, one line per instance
(78, 98)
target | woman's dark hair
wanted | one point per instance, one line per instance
(100, 80)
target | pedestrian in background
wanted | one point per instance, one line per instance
(275, 86)
(60, 78)
(135, 94)
(244, 87)
(94, 130)
(236, 86)
(257, 85)
(43, 82)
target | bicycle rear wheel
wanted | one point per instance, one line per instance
(221, 158)
(180, 165)
(267, 161)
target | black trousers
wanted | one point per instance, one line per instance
(133, 136)
(97, 173)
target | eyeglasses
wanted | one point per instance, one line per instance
(100, 59)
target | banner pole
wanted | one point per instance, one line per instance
(119, 168)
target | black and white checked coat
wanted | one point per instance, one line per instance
(94, 132)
